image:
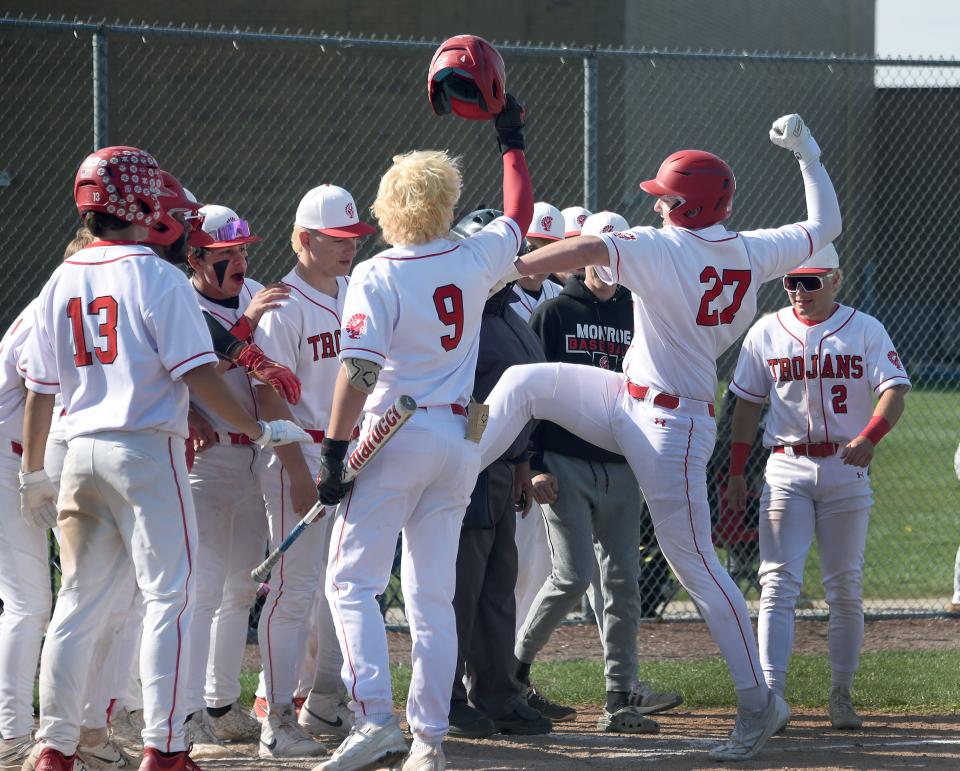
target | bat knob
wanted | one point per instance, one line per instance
(408, 403)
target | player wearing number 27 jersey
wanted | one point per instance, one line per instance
(694, 286)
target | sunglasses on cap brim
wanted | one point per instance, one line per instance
(232, 230)
(807, 283)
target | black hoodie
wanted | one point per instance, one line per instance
(579, 328)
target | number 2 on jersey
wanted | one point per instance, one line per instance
(738, 279)
(448, 300)
(107, 330)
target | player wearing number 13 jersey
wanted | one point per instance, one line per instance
(411, 325)
(694, 286)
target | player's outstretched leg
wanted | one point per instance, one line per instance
(577, 397)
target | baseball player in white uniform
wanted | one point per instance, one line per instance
(821, 364)
(231, 521)
(25, 581)
(304, 333)
(533, 291)
(120, 335)
(411, 327)
(694, 287)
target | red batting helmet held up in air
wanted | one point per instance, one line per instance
(704, 182)
(467, 78)
(125, 182)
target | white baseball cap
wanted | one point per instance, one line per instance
(822, 262)
(225, 227)
(573, 218)
(547, 222)
(332, 211)
(603, 222)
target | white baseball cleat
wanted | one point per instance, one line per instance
(100, 753)
(199, 736)
(237, 725)
(370, 746)
(282, 737)
(434, 760)
(843, 716)
(752, 730)
(14, 751)
(326, 714)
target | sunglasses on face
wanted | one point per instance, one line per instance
(232, 230)
(807, 283)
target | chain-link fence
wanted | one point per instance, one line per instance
(253, 120)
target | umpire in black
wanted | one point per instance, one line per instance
(491, 700)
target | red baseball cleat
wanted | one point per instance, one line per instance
(50, 759)
(178, 761)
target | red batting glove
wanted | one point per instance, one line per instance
(266, 370)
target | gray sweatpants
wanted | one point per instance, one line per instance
(595, 519)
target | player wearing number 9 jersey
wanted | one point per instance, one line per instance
(411, 325)
(694, 286)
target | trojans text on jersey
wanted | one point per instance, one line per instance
(834, 366)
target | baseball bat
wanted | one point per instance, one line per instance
(390, 422)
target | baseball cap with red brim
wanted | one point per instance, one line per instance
(332, 211)
(225, 227)
(825, 261)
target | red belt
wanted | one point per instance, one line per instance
(235, 438)
(667, 401)
(456, 409)
(317, 436)
(16, 447)
(817, 450)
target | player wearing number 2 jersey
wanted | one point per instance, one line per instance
(820, 364)
(694, 287)
(411, 325)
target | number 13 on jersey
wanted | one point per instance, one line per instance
(105, 309)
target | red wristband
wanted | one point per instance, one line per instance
(242, 329)
(876, 429)
(739, 452)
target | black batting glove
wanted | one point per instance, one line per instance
(331, 488)
(509, 125)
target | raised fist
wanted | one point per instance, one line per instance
(792, 133)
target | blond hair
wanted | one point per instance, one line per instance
(295, 238)
(416, 197)
(81, 240)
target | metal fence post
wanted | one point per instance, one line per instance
(590, 132)
(100, 86)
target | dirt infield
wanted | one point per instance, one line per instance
(887, 741)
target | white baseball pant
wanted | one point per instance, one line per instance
(534, 560)
(419, 484)
(802, 498)
(668, 451)
(26, 595)
(123, 495)
(231, 539)
(294, 583)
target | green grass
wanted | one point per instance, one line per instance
(892, 681)
(915, 525)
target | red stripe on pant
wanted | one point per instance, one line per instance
(693, 532)
(186, 595)
(346, 645)
(276, 599)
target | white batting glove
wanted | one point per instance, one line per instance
(38, 499)
(792, 133)
(277, 432)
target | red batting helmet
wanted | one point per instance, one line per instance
(704, 182)
(467, 78)
(175, 198)
(125, 182)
